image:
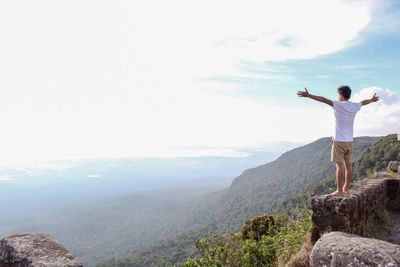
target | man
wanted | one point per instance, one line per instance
(342, 146)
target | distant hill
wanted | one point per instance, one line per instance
(255, 191)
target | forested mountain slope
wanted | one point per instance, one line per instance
(276, 241)
(255, 191)
(373, 159)
(258, 189)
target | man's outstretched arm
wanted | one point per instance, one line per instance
(315, 97)
(368, 101)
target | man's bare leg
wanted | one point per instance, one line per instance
(348, 176)
(339, 179)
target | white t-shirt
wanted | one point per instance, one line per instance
(345, 111)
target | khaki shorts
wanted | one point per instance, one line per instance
(341, 151)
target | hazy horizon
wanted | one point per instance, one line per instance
(64, 197)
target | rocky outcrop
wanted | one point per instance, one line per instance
(352, 213)
(34, 250)
(340, 224)
(394, 166)
(342, 249)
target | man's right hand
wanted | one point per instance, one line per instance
(322, 99)
(303, 93)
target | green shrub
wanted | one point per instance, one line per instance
(267, 242)
(257, 227)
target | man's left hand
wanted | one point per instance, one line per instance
(375, 98)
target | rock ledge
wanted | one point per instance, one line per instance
(343, 249)
(34, 250)
(351, 213)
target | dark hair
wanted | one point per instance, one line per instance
(345, 91)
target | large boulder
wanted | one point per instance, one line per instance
(337, 249)
(394, 166)
(34, 250)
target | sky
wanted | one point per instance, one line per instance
(92, 79)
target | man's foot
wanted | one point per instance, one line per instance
(337, 193)
(346, 189)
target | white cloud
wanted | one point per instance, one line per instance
(387, 97)
(94, 176)
(122, 78)
(210, 37)
(380, 118)
(132, 127)
(5, 178)
(181, 37)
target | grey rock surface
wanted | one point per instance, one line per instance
(337, 249)
(34, 250)
(394, 166)
(351, 213)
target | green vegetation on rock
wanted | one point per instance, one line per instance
(264, 243)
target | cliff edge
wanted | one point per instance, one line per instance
(360, 228)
